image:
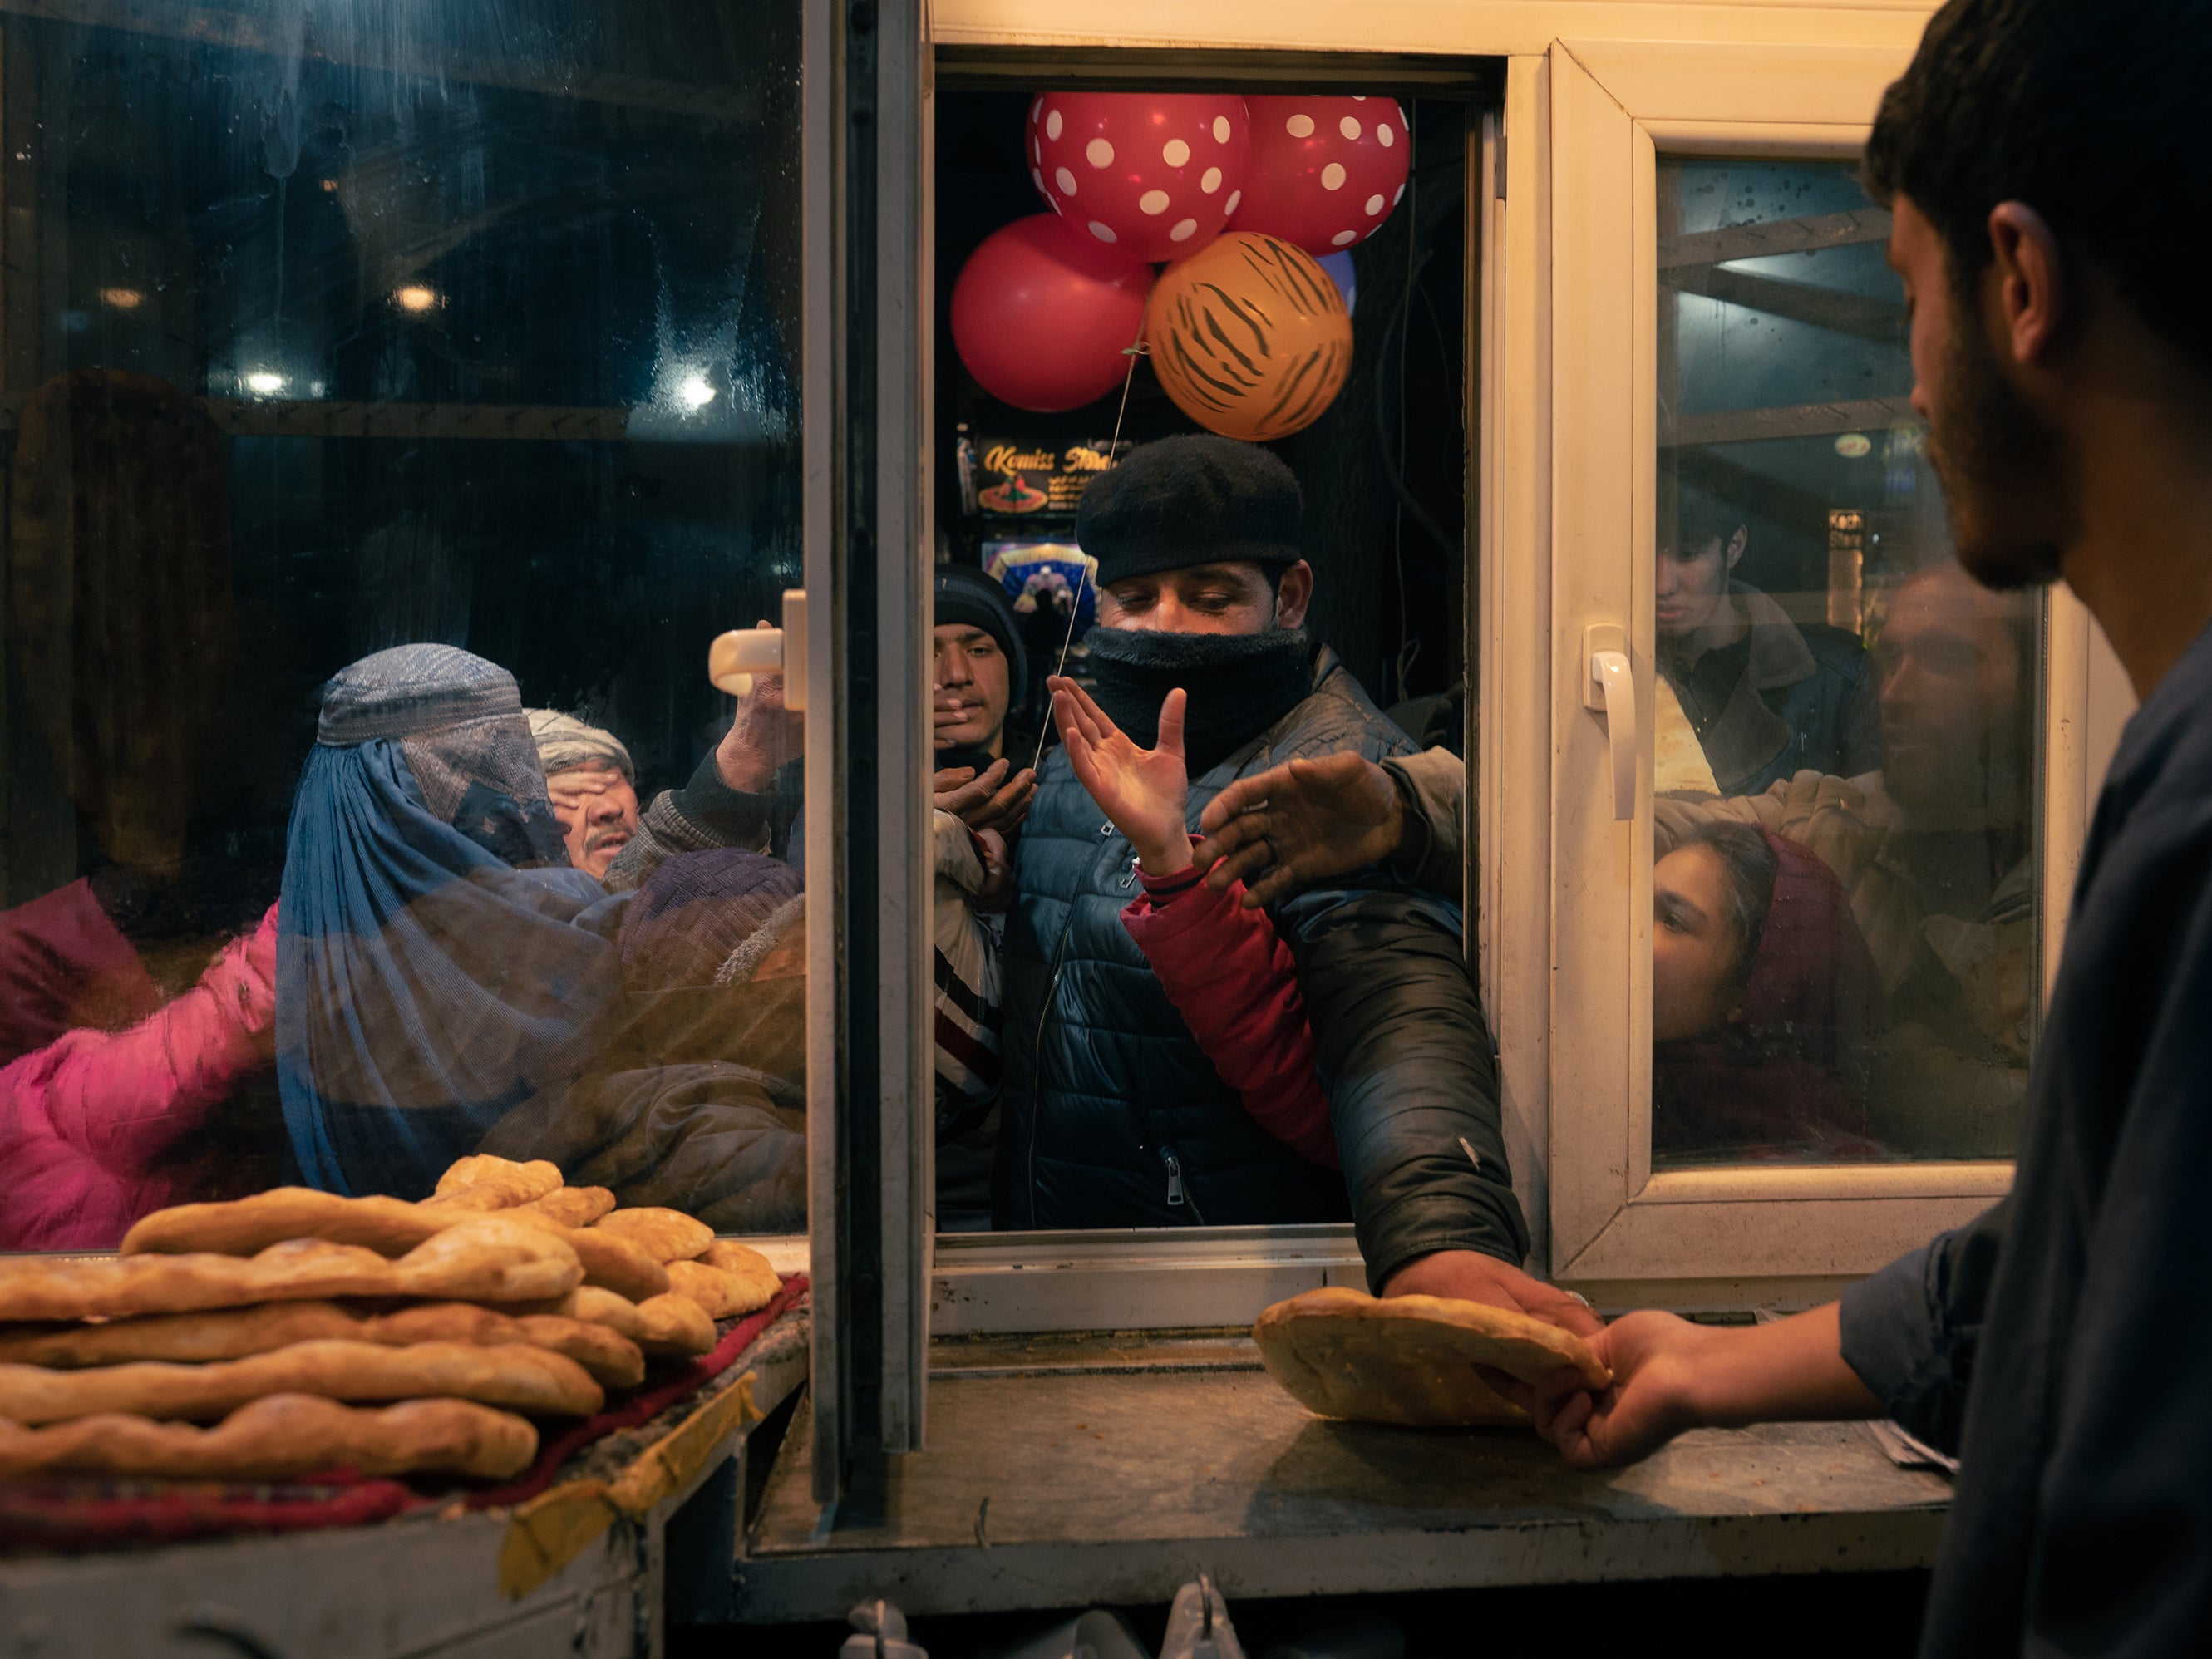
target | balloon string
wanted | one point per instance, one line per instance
(1135, 350)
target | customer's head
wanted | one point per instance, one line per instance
(981, 669)
(593, 785)
(1956, 666)
(2047, 164)
(1197, 534)
(1695, 563)
(1710, 897)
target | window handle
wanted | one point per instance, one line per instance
(735, 657)
(1611, 691)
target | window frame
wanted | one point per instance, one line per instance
(1618, 1228)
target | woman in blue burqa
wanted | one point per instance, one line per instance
(436, 968)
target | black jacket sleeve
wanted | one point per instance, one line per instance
(1406, 1057)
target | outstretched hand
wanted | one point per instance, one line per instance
(1283, 829)
(1471, 1276)
(764, 737)
(1655, 1361)
(993, 800)
(1144, 791)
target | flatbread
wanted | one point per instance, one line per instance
(668, 1326)
(514, 1376)
(1411, 1360)
(613, 1359)
(664, 1234)
(611, 1260)
(482, 1181)
(737, 1283)
(280, 1439)
(389, 1226)
(483, 1259)
(717, 1290)
(573, 1206)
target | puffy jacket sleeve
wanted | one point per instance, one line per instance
(119, 1097)
(1406, 1057)
(1232, 979)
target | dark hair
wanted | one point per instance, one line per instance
(1699, 518)
(1749, 866)
(2090, 113)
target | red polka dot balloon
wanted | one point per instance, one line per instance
(1156, 174)
(1325, 172)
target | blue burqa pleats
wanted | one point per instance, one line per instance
(426, 984)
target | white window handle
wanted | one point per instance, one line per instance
(735, 657)
(1611, 691)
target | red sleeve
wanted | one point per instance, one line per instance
(1233, 982)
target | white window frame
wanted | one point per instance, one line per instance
(1619, 1229)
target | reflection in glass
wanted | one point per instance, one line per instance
(394, 410)
(1845, 882)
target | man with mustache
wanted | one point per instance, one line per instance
(593, 785)
(2047, 169)
(1115, 1115)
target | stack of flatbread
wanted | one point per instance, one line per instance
(1416, 1361)
(295, 1330)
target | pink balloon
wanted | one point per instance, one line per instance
(1153, 173)
(1325, 172)
(1042, 316)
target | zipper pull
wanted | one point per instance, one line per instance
(1175, 1174)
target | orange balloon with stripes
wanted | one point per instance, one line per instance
(1249, 337)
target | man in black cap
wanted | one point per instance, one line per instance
(979, 673)
(1114, 1116)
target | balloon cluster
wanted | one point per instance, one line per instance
(1251, 203)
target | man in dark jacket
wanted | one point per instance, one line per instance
(1768, 698)
(1114, 1116)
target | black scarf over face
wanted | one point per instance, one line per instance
(1239, 685)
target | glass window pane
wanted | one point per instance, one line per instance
(1844, 890)
(394, 412)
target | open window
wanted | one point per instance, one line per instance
(1818, 796)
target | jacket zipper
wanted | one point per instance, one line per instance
(1179, 1196)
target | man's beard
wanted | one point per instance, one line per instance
(1990, 448)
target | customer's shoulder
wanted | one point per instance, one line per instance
(1337, 715)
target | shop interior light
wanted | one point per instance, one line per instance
(122, 299)
(263, 382)
(415, 297)
(694, 392)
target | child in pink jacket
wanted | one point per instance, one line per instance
(85, 1120)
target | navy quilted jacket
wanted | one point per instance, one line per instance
(1114, 1118)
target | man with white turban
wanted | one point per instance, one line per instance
(593, 787)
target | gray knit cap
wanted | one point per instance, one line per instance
(564, 741)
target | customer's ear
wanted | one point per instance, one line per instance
(1293, 594)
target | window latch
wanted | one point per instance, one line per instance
(1611, 691)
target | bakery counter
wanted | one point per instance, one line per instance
(1066, 1470)
(579, 1564)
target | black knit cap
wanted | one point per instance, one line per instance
(965, 594)
(1192, 499)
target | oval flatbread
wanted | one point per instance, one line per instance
(520, 1377)
(1411, 1360)
(664, 1234)
(279, 1438)
(671, 1326)
(482, 1259)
